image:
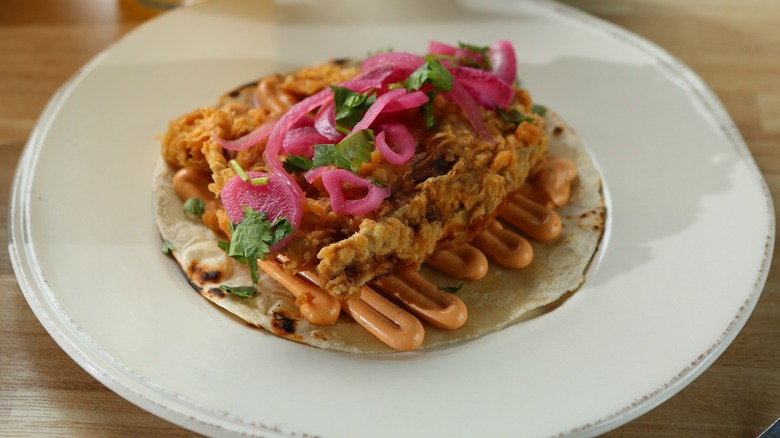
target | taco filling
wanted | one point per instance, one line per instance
(350, 199)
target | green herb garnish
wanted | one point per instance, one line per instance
(474, 48)
(539, 110)
(261, 181)
(240, 291)
(195, 206)
(167, 247)
(513, 116)
(239, 171)
(252, 238)
(297, 163)
(349, 154)
(451, 289)
(482, 50)
(350, 106)
(433, 73)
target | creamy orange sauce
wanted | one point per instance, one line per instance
(441, 309)
(269, 95)
(530, 210)
(316, 305)
(537, 221)
(192, 183)
(389, 323)
(549, 182)
(464, 262)
(504, 247)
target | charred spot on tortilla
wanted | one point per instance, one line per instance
(215, 292)
(458, 175)
(282, 324)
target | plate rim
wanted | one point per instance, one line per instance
(57, 325)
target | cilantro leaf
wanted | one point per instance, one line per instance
(513, 116)
(252, 238)
(167, 247)
(282, 228)
(350, 106)
(195, 206)
(474, 48)
(239, 291)
(433, 73)
(297, 163)
(349, 154)
(451, 289)
(481, 50)
(539, 109)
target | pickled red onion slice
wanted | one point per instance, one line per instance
(377, 77)
(325, 123)
(301, 141)
(462, 97)
(377, 108)
(398, 60)
(440, 48)
(313, 174)
(400, 138)
(247, 141)
(409, 100)
(489, 90)
(285, 123)
(276, 199)
(503, 62)
(334, 181)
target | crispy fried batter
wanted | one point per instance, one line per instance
(450, 189)
(459, 183)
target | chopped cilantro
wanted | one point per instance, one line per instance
(297, 163)
(539, 109)
(239, 171)
(451, 289)
(513, 116)
(378, 183)
(349, 154)
(252, 238)
(474, 48)
(167, 247)
(195, 206)
(350, 106)
(240, 291)
(261, 181)
(433, 73)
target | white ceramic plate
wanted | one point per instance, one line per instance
(686, 253)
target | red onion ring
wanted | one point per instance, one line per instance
(301, 141)
(249, 140)
(334, 180)
(401, 139)
(488, 89)
(462, 97)
(503, 62)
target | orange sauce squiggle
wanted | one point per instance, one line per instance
(537, 221)
(549, 183)
(383, 319)
(316, 305)
(504, 247)
(464, 262)
(424, 299)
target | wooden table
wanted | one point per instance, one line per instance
(733, 44)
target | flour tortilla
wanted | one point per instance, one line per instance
(501, 298)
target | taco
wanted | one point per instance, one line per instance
(355, 206)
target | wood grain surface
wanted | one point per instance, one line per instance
(734, 45)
